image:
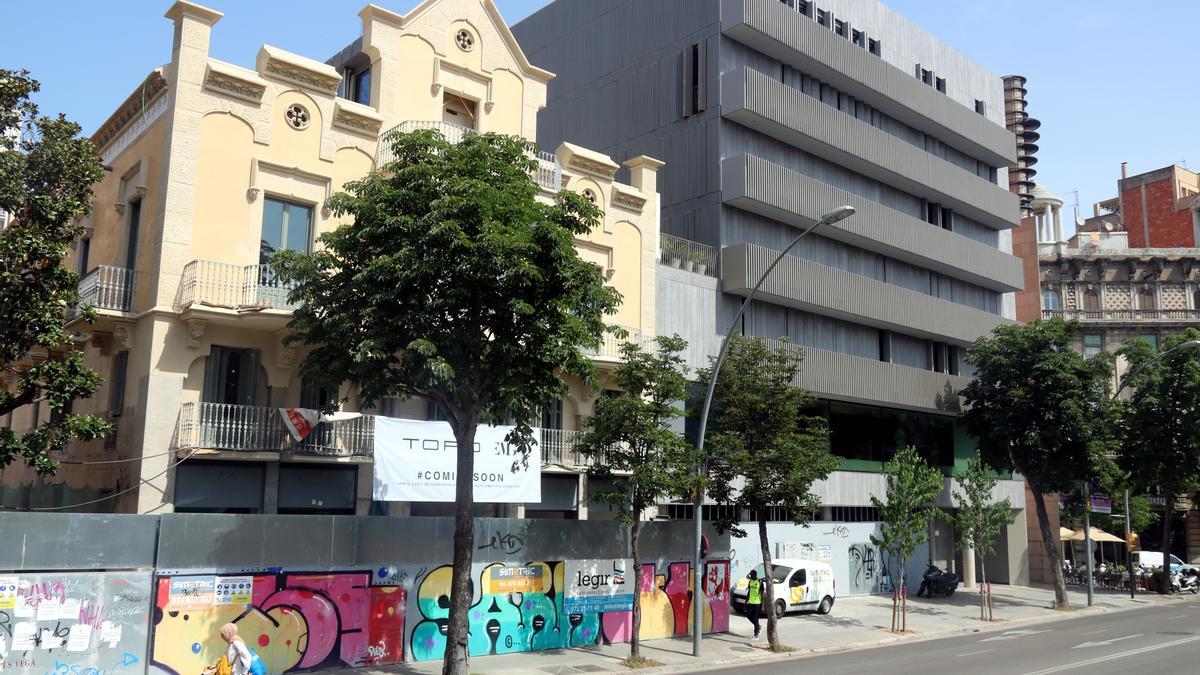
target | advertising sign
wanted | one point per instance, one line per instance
(1101, 504)
(517, 579)
(598, 585)
(8, 592)
(235, 590)
(416, 461)
(192, 593)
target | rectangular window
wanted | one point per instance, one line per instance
(85, 252)
(885, 346)
(939, 357)
(695, 80)
(940, 84)
(131, 243)
(927, 76)
(116, 383)
(947, 219)
(317, 397)
(859, 38)
(231, 376)
(823, 17)
(1092, 345)
(804, 7)
(952, 355)
(285, 225)
(360, 87)
(933, 214)
(980, 107)
(552, 415)
(839, 27)
(1151, 340)
(874, 47)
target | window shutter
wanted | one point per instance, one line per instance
(248, 378)
(212, 375)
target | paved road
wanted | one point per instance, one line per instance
(1164, 638)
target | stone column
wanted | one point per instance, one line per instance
(1058, 229)
(581, 508)
(968, 567)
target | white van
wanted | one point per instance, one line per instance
(1155, 559)
(799, 585)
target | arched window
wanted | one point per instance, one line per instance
(1146, 298)
(1050, 300)
(1196, 299)
(1091, 299)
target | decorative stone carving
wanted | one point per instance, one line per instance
(122, 335)
(589, 195)
(131, 110)
(297, 116)
(357, 123)
(286, 356)
(464, 40)
(225, 83)
(628, 201)
(591, 166)
(195, 332)
(304, 78)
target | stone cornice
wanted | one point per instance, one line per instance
(140, 100)
(304, 72)
(230, 80)
(587, 161)
(627, 198)
(356, 118)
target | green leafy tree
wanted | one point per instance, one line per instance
(46, 185)
(631, 446)
(453, 284)
(764, 449)
(1040, 409)
(912, 487)
(1161, 451)
(980, 519)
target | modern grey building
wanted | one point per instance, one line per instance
(769, 114)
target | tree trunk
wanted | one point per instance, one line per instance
(984, 586)
(769, 595)
(635, 637)
(454, 662)
(1164, 585)
(904, 595)
(1061, 601)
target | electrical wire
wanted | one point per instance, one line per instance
(140, 483)
(113, 461)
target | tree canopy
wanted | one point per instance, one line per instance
(46, 175)
(453, 283)
(764, 448)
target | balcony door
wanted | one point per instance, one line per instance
(231, 376)
(285, 225)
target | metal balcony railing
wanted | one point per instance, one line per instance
(1122, 314)
(237, 287)
(610, 345)
(688, 255)
(223, 426)
(558, 448)
(548, 173)
(106, 287)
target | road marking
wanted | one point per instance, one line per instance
(981, 651)
(1095, 632)
(1014, 634)
(1181, 616)
(1106, 642)
(1118, 655)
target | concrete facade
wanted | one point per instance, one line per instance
(201, 152)
(769, 114)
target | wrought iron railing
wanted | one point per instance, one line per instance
(1121, 314)
(548, 173)
(223, 426)
(610, 344)
(106, 287)
(215, 284)
(559, 448)
(688, 255)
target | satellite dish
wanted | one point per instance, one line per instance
(1108, 226)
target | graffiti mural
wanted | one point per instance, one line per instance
(528, 614)
(865, 574)
(79, 622)
(293, 621)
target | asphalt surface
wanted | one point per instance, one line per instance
(1163, 638)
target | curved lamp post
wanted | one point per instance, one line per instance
(698, 506)
(1124, 382)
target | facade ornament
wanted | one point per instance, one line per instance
(122, 335)
(195, 332)
(305, 78)
(226, 83)
(628, 201)
(592, 167)
(464, 40)
(356, 123)
(297, 116)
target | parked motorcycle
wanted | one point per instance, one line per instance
(1186, 580)
(937, 582)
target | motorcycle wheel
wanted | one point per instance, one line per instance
(950, 590)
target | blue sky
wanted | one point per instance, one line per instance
(1111, 81)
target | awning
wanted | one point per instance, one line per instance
(1097, 535)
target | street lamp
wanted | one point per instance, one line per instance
(1183, 346)
(833, 216)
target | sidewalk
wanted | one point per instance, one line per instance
(854, 623)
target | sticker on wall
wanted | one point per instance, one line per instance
(825, 553)
(192, 593)
(599, 585)
(235, 590)
(8, 592)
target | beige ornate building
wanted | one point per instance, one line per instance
(212, 166)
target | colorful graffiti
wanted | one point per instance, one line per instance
(71, 623)
(534, 618)
(294, 622)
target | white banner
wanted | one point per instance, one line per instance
(416, 462)
(598, 585)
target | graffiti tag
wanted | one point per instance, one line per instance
(839, 531)
(507, 543)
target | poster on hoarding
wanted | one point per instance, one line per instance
(500, 579)
(8, 592)
(192, 593)
(598, 585)
(235, 590)
(417, 461)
